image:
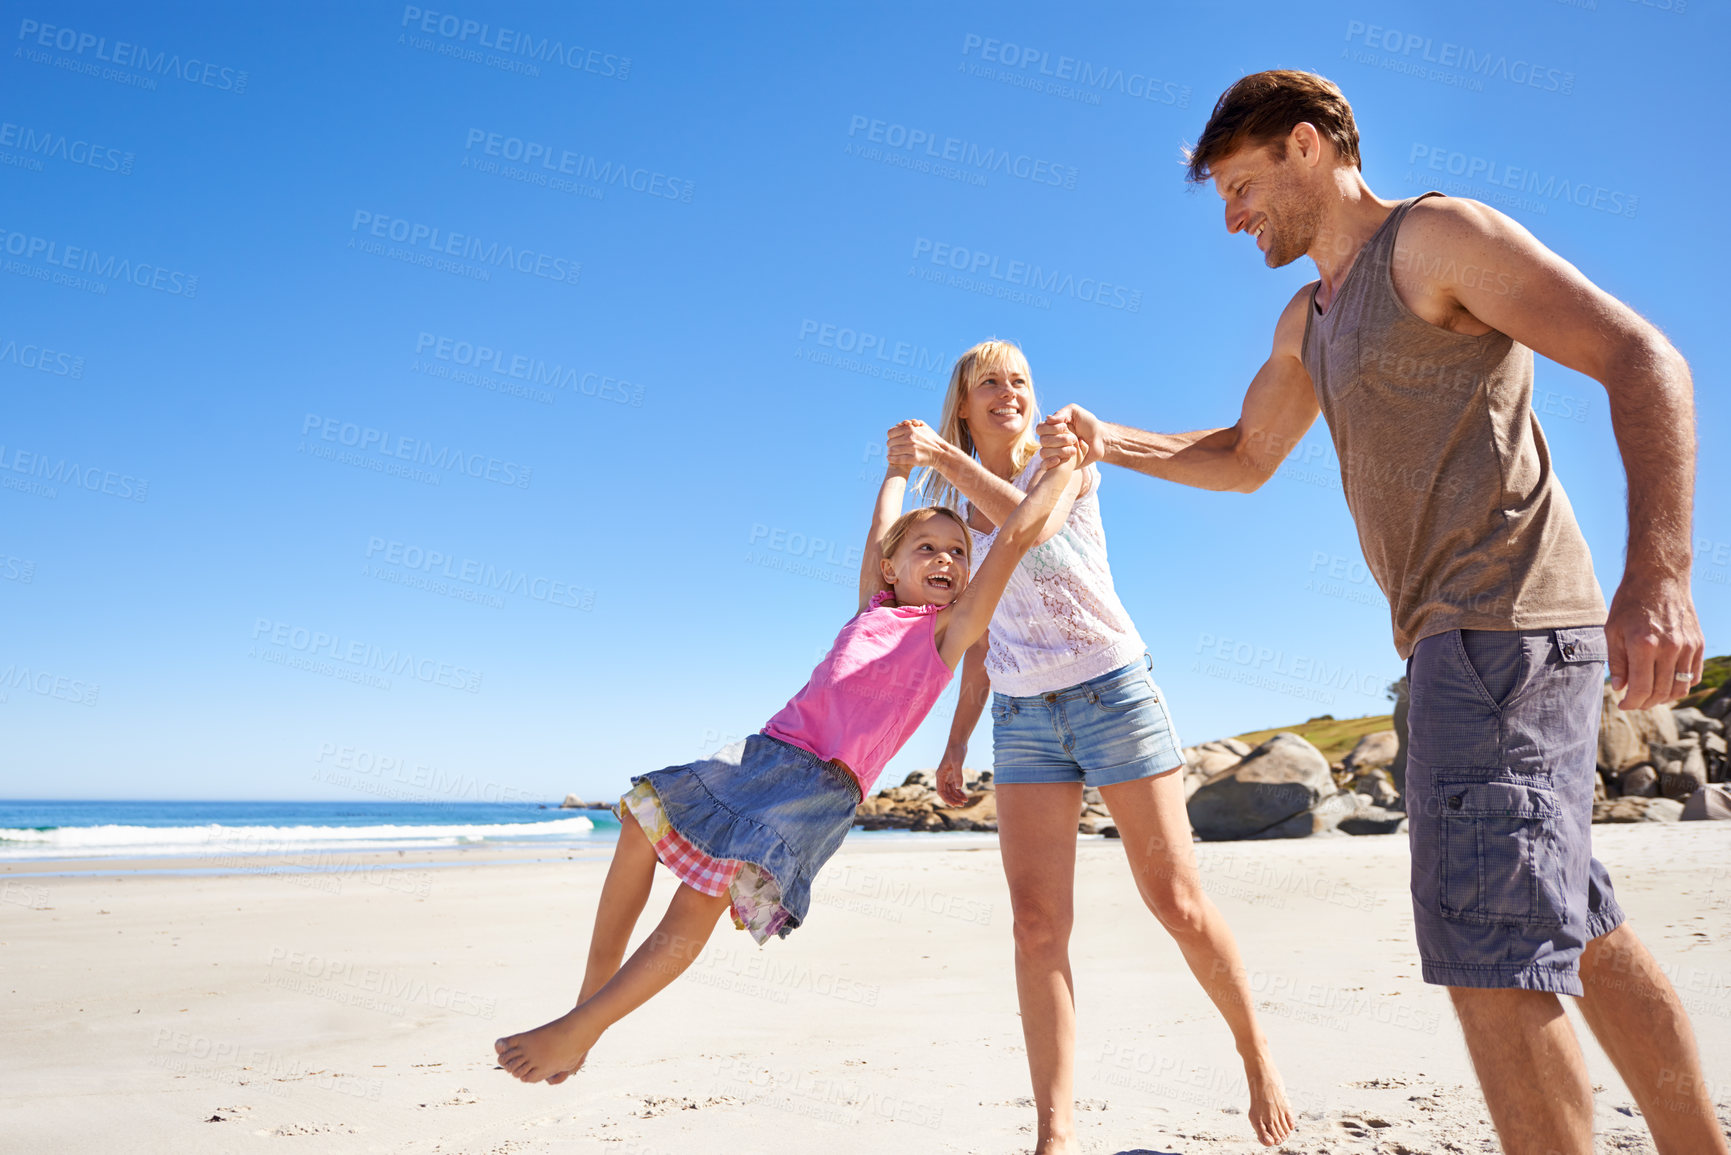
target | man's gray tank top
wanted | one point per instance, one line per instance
(1445, 467)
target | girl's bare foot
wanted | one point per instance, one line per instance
(555, 1080)
(551, 1052)
(1270, 1114)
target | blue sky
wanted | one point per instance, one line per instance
(710, 257)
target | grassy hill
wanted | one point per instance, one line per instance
(1333, 737)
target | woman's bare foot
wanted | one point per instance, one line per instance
(1270, 1114)
(551, 1052)
(1056, 1145)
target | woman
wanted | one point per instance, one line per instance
(1073, 705)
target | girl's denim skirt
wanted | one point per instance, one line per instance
(756, 820)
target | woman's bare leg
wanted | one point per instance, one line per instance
(559, 1046)
(1037, 837)
(623, 896)
(1155, 827)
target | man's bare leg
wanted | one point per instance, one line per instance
(559, 1046)
(1530, 1069)
(1636, 1016)
(623, 896)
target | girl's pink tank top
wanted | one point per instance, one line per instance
(870, 692)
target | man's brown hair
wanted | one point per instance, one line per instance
(1263, 108)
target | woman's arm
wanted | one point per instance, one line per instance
(884, 514)
(971, 613)
(976, 690)
(914, 443)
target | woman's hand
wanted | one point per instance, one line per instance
(952, 787)
(913, 443)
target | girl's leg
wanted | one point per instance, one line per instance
(1037, 837)
(623, 897)
(559, 1046)
(1155, 827)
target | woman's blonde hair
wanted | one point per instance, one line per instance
(987, 357)
(898, 532)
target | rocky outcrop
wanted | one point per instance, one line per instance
(1277, 791)
(1659, 753)
(1638, 810)
(1709, 802)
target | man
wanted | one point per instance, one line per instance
(1416, 344)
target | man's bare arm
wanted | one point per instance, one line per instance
(1526, 291)
(1279, 408)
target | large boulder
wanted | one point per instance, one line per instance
(1376, 783)
(1638, 781)
(572, 802)
(1683, 777)
(980, 813)
(1374, 820)
(1638, 810)
(1709, 802)
(1690, 720)
(1624, 735)
(1275, 792)
(1376, 749)
(1211, 758)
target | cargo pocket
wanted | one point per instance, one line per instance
(1500, 860)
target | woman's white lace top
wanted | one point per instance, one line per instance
(1060, 621)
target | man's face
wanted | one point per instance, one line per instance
(1269, 199)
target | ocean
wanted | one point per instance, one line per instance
(81, 829)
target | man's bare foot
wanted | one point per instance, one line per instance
(1270, 1114)
(551, 1052)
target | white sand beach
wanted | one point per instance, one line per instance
(355, 1011)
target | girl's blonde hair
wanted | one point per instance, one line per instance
(987, 357)
(898, 532)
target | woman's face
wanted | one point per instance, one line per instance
(999, 405)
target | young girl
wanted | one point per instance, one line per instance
(751, 827)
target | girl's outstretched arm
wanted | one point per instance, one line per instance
(884, 514)
(971, 614)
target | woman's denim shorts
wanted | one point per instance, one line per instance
(1107, 730)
